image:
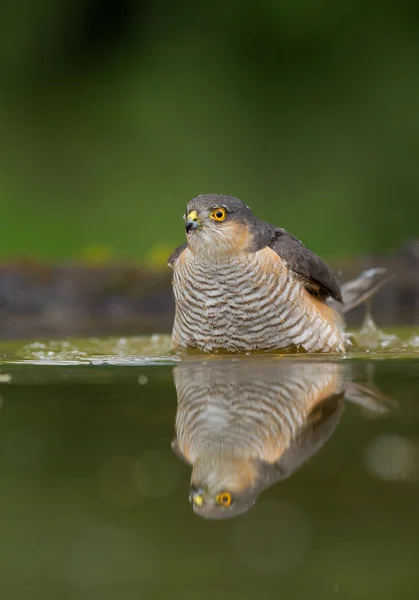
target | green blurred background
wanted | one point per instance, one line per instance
(115, 113)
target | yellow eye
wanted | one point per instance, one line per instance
(218, 214)
(224, 499)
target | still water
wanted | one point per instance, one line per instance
(221, 478)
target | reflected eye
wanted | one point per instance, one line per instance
(218, 214)
(224, 499)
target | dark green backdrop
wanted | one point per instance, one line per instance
(114, 114)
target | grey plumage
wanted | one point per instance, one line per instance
(302, 261)
(316, 276)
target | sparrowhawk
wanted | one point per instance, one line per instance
(243, 285)
(244, 426)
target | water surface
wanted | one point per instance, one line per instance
(95, 495)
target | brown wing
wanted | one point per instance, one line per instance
(316, 276)
(175, 255)
(320, 425)
(178, 452)
(316, 432)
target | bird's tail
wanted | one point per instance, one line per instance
(370, 398)
(361, 289)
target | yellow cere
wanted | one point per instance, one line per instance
(193, 216)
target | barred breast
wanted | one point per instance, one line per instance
(249, 302)
(247, 412)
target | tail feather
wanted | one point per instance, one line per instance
(362, 288)
(370, 398)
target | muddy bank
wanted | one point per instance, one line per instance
(41, 301)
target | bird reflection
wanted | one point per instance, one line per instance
(246, 425)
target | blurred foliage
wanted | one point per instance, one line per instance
(115, 113)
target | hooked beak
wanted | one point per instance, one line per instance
(197, 497)
(192, 221)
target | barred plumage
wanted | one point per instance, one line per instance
(243, 285)
(235, 424)
(245, 425)
(248, 302)
(248, 412)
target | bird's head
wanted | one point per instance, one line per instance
(217, 225)
(223, 486)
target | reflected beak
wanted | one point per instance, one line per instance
(192, 221)
(197, 497)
